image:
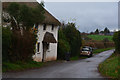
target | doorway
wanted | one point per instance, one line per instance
(45, 48)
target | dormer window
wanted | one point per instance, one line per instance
(52, 26)
(44, 27)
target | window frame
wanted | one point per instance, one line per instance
(52, 27)
(38, 47)
(44, 27)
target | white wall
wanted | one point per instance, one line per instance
(51, 53)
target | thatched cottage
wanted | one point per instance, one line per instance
(46, 46)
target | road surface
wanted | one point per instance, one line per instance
(85, 68)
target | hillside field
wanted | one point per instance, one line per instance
(100, 37)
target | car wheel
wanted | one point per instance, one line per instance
(91, 55)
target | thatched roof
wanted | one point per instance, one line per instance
(49, 38)
(49, 19)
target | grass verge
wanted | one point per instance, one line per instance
(20, 66)
(94, 52)
(101, 50)
(77, 57)
(110, 67)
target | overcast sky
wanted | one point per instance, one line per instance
(87, 15)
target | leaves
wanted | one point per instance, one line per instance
(116, 39)
(27, 16)
(69, 40)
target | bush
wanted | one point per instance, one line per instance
(116, 39)
(63, 45)
(23, 46)
(69, 40)
(74, 38)
(6, 43)
(17, 47)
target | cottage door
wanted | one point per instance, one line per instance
(45, 48)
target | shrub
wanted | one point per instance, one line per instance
(73, 37)
(116, 39)
(63, 45)
(23, 46)
(6, 43)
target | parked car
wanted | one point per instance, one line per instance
(86, 51)
(88, 47)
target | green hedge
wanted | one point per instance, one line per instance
(116, 39)
(69, 40)
(6, 43)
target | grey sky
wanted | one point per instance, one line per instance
(87, 15)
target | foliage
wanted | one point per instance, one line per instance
(97, 31)
(6, 43)
(63, 45)
(18, 66)
(116, 39)
(22, 47)
(69, 36)
(107, 69)
(38, 14)
(25, 15)
(101, 50)
(20, 44)
(74, 38)
(13, 10)
(106, 30)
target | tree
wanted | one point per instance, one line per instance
(13, 10)
(69, 40)
(106, 30)
(6, 43)
(23, 45)
(116, 39)
(38, 14)
(27, 16)
(74, 38)
(97, 31)
(63, 45)
(101, 31)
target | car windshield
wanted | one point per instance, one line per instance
(85, 49)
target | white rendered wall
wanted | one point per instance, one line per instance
(51, 53)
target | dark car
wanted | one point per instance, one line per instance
(86, 51)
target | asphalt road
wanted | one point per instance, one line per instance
(85, 68)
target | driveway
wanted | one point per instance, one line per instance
(85, 68)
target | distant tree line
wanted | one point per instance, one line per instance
(105, 31)
(18, 40)
(116, 39)
(69, 41)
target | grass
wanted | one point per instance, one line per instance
(77, 57)
(101, 50)
(110, 67)
(7, 66)
(100, 37)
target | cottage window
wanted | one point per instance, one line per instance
(52, 26)
(44, 27)
(38, 47)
